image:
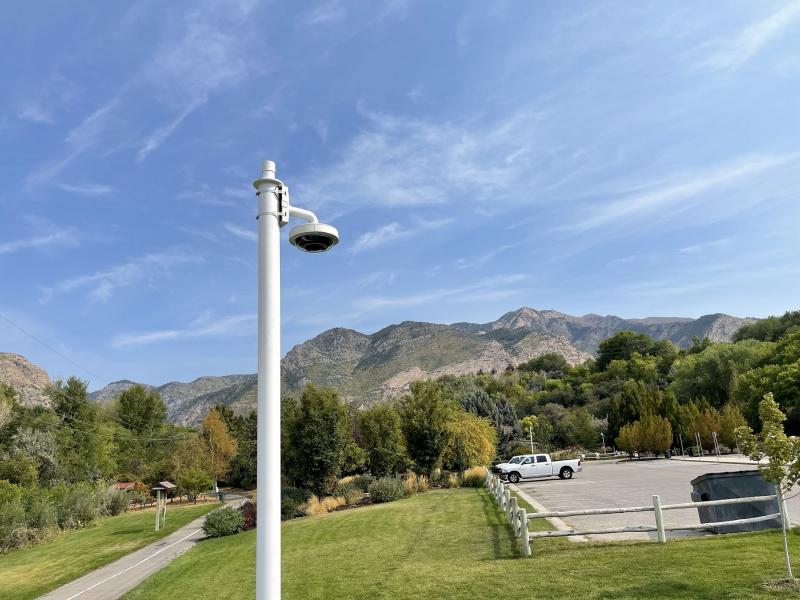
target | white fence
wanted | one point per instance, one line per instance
(518, 517)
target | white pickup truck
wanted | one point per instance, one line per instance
(536, 466)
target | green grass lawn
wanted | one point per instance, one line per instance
(30, 572)
(454, 544)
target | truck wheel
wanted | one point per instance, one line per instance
(565, 473)
(513, 477)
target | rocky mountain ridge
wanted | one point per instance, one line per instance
(366, 368)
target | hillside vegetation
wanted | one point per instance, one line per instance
(366, 368)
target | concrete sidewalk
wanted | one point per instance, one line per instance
(115, 579)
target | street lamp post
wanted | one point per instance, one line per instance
(274, 211)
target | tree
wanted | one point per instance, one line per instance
(714, 373)
(705, 423)
(651, 433)
(425, 415)
(621, 346)
(84, 446)
(317, 437)
(141, 409)
(530, 423)
(551, 363)
(220, 445)
(730, 419)
(193, 481)
(781, 451)
(769, 329)
(382, 438)
(628, 438)
(472, 442)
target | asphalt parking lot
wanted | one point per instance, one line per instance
(621, 484)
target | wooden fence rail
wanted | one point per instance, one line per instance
(518, 517)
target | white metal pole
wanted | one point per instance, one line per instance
(530, 433)
(268, 495)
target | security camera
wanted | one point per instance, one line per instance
(314, 237)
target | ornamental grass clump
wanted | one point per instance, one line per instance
(453, 481)
(321, 506)
(474, 477)
(386, 489)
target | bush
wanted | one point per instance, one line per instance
(40, 513)
(474, 477)
(78, 507)
(248, 510)
(386, 489)
(117, 502)
(362, 482)
(13, 531)
(350, 492)
(223, 521)
(292, 501)
(453, 481)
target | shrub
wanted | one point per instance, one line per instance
(350, 492)
(362, 482)
(423, 485)
(474, 477)
(248, 510)
(292, 501)
(77, 508)
(223, 521)
(386, 489)
(453, 481)
(40, 513)
(13, 531)
(117, 502)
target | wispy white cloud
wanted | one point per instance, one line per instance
(479, 261)
(730, 54)
(85, 189)
(398, 161)
(79, 140)
(102, 285)
(705, 246)
(324, 13)
(241, 232)
(229, 326)
(157, 137)
(394, 231)
(60, 238)
(35, 112)
(494, 287)
(676, 192)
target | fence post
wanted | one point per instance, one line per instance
(506, 499)
(523, 525)
(662, 536)
(500, 493)
(512, 510)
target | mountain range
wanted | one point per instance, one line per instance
(366, 368)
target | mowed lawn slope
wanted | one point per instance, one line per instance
(454, 544)
(30, 572)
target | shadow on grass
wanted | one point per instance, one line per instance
(504, 544)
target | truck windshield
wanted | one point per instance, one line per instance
(515, 460)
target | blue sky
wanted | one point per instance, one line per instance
(611, 157)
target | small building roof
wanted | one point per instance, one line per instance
(167, 485)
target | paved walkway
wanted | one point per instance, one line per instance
(115, 579)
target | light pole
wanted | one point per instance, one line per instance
(274, 211)
(603, 437)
